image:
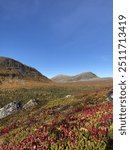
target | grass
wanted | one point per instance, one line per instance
(86, 122)
(45, 92)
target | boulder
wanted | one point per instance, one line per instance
(31, 103)
(110, 96)
(10, 109)
(67, 96)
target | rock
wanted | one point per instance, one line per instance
(14, 106)
(10, 109)
(67, 96)
(110, 95)
(31, 103)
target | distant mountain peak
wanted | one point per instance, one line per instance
(84, 76)
(13, 69)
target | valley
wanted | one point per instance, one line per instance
(40, 114)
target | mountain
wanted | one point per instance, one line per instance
(12, 69)
(85, 76)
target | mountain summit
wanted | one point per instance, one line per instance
(12, 69)
(85, 76)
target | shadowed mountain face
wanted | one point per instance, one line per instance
(12, 69)
(80, 77)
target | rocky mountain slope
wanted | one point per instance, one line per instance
(12, 69)
(85, 76)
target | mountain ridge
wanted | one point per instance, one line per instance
(84, 76)
(13, 69)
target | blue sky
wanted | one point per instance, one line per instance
(58, 36)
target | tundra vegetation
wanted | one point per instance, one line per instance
(80, 121)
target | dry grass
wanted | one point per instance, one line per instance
(17, 84)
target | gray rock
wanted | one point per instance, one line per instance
(10, 109)
(31, 103)
(67, 96)
(110, 96)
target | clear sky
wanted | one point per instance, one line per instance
(58, 36)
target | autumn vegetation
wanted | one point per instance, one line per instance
(83, 121)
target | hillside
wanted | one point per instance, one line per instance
(12, 69)
(85, 76)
